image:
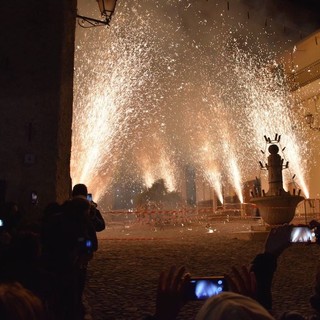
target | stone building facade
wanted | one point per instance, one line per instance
(302, 65)
(36, 81)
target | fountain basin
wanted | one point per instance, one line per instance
(276, 210)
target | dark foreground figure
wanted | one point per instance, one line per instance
(49, 259)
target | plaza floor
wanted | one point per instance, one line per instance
(123, 275)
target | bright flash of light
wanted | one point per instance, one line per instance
(295, 167)
(233, 169)
(236, 178)
(147, 105)
(107, 104)
(269, 108)
(214, 179)
(148, 179)
(167, 173)
(147, 167)
(209, 164)
(154, 163)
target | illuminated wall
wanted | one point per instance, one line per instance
(303, 67)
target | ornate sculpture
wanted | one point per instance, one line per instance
(276, 206)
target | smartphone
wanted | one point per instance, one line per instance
(89, 197)
(34, 197)
(202, 288)
(303, 234)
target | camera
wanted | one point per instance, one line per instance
(303, 234)
(34, 197)
(202, 288)
(89, 197)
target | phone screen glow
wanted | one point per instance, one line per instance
(303, 234)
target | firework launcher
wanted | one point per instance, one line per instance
(276, 206)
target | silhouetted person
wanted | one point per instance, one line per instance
(69, 241)
(21, 263)
(11, 217)
(81, 191)
(18, 303)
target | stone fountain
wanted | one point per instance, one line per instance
(276, 206)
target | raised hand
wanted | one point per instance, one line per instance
(171, 293)
(242, 281)
(278, 239)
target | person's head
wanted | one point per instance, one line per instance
(80, 189)
(18, 303)
(230, 305)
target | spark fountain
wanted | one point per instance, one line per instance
(276, 206)
(147, 105)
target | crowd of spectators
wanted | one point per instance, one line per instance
(249, 293)
(44, 267)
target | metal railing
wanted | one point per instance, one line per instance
(308, 209)
(181, 216)
(306, 75)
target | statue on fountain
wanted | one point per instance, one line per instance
(276, 206)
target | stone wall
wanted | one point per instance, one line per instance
(36, 81)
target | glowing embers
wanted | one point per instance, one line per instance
(214, 178)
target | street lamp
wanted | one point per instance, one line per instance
(106, 8)
(309, 117)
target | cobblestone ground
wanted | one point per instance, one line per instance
(123, 275)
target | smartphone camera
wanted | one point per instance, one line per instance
(303, 234)
(34, 198)
(202, 288)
